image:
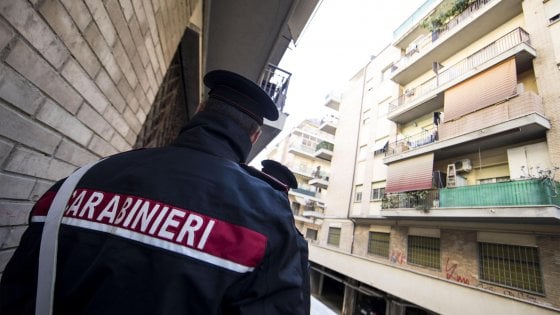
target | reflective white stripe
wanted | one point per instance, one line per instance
(41, 218)
(184, 250)
(46, 273)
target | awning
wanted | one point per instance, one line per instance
(411, 174)
(380, 145)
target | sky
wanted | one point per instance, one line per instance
(339, 40)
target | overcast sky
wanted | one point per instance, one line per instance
(339, 40)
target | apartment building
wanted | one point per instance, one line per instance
(82, 80)
(307, 151)
(444, 195)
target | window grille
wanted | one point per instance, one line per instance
(311, 234)
(424, 251)
(379, 244)
(334, 236)
(511, 265)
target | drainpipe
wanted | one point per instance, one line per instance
(356, 153)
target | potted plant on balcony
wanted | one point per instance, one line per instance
(419, 199)
(446, 11)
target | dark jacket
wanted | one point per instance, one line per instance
(176, 230)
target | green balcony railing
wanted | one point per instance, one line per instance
(324, 145)
(531, 192)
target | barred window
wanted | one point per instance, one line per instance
(378, 244)
(377, 193)
(311, 234)
(424, 251)
(334, 236)
(511, 265)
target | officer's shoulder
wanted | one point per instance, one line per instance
(264, 177)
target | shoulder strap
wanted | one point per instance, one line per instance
(49, 243)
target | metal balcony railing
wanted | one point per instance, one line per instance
(506, 42)
(526, 192)
(275, 82)
(424, 42)
(420, 139)
(422, 199)
(324, 145)
(531, 192)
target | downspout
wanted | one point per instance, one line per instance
(356, 155)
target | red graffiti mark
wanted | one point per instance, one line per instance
(450, 273)
(398, 257)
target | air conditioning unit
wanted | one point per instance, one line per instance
(463, 165)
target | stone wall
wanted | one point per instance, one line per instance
(77, 80)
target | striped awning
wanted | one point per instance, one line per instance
(411, 174)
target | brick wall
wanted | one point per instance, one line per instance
(77, 79)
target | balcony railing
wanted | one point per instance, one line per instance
(527, 192)
(453, 72)
(531, 192)
(305, 190)
(422, 43)
(413, 19)
(275, 82)
(423, 200)
(420, 139)
(324, 145)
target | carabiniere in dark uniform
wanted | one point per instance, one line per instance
(182, 229)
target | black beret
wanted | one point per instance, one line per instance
(280, 172)
(241, 93)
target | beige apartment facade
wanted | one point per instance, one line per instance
(448, 201)
(82, 80)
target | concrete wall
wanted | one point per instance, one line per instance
(77, 79)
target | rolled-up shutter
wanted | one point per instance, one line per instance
(489, 87)
(411, 174)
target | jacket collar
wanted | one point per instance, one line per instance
(214, 134)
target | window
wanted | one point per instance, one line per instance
(295, 207)
(334, 236)
(378, 244)
(362, 152)
(377, 193)
(311, 234)
(511, 265)
(358, 193)
(493, 180)
(424, 251)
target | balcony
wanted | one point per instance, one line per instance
(422, 200)
(535, 200)
(301, 150)
(479, 19)
(428, 96)
(314, 214)
(409, 143)
(329, 125)
(324, 150)
(302, 170)
(275, 81)
(532, 192)
(333, 101)
(320, 180)
(518, 119)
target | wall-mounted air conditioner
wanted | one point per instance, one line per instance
(463, 165)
